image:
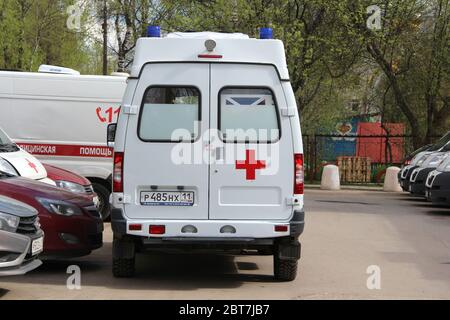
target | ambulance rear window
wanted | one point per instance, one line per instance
(169, 114)
(248, 115)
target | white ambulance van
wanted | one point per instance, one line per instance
(208, 151)
(60, 117)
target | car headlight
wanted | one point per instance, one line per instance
(70, 186)
(60, 207)
(8, 222)
(5, 166)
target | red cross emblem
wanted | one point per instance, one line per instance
(32, 166)
(250, 164)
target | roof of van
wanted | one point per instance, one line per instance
(61, 85)
(232, 47)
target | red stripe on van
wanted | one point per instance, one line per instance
(68, 150)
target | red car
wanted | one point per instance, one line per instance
(71, 182)
(71, 223)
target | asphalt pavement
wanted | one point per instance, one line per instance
(356, 245)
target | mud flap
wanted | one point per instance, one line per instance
(290, 251)
(123, 248)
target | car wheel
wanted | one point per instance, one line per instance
(284, 270)
(103, 198)
(123, 258)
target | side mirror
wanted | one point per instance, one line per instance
(111, 134)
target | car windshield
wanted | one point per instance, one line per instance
(6, 145)
(441, 142)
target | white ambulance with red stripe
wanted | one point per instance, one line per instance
(60, 117)
(17, 162)
(208, 151)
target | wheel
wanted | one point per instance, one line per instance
(284, 270)
(123, 258)
(103, 198)
(123, 268)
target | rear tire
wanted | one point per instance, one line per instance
(284, 270)
(123, 268)
(103, 197)
(124, 256)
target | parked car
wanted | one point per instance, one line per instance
(438, 184)
(73, 182)
(16, 161)
(405, 173)
(81, 106)
(419, 175)
(71, 222)
(407, 160)
(21, 238)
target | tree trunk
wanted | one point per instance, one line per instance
(105, 38)
(375, 52)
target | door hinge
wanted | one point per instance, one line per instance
(292, 201)
(127, 109)
(288, 112)
(122, 198)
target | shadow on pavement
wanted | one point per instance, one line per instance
(153, 272)
(3, 292)
(441, 213)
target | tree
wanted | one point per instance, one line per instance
(35, 32)
(414, 34)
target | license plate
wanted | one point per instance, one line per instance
(37, 246)
(409, 188)
(427, 194)
(167, 198)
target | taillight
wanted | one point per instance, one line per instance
(157, 229)
(299, 175)
(118, 172)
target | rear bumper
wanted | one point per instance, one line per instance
(210, 229)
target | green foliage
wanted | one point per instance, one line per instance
(400, 73)
(35, 32)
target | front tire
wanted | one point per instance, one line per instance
(123, 268)
(103, 197)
